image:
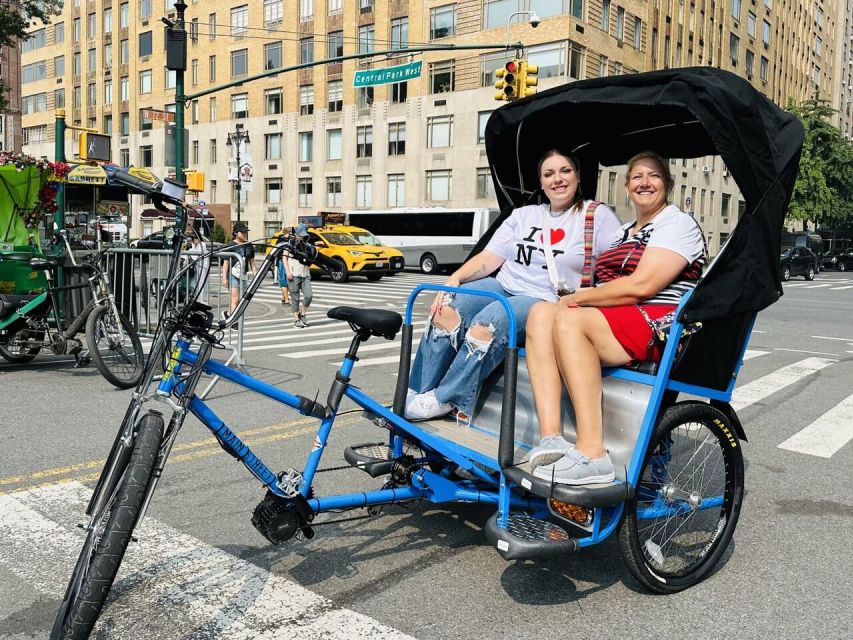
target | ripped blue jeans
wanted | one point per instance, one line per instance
(453, 363)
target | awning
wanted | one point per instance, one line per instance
(92, 174)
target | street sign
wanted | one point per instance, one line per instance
(156, 114)
(389, 75)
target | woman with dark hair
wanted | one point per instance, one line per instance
(537, 250)
(656, 258)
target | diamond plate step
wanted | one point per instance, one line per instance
(373, 457)
(526, 537)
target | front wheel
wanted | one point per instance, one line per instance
(810, 274)
(786, 273)
(108, 537)
(685, 509)
(115, 347)
(841, 266)
(339, 273)
(429, 264)
(23, 343)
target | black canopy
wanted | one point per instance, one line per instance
(680, 113)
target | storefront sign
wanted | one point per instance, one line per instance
(87, 174)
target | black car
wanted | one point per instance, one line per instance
(798, 261)
(156, 240)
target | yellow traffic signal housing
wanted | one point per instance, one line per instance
(94, 146)
(195, 181)
(507, 85)
(527, 79)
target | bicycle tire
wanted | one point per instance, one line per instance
(12, 351)
(106, 542)
(694, 457)
(122, 363)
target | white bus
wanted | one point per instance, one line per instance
(429, 237)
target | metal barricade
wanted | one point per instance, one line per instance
(139, 279)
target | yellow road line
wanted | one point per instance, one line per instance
(197, 450)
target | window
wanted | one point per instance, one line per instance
(35, 134)
(441, 76)
(576, 8)
(438, 184)
(482, 119)
(605, 16)
(750, 64)
(123, 15)
(145, 123)
(335, 6)
(396, 138)
(366, 38)
(34, 104)
(400, 33)
(90, 26)
(306, 100)
(75, 30)
(272, 56)
(37, 39)
(272, 190)
(125, 126)
(212, 109)
(194, 110)
(396, 189)
(75, 99)
(194, 153)
(211, 68)
(239, 63)
(765, 64)
(193, 30)
(734, 48)
(108, 20)
(212, 150)
(146, 155)
(108, 55)
(108, 125)
(439, 131)
(602, 66)
(818, 45)
(91, 94)
(336, 95)
(399, 92)
(59, 98)
(306, 146)
(750, 24)
(306, 50)
(59, 30)
(620, 23)
(363, 191)
(38, 70)
(306, 9)
(333, 192)
(123, 52)
(816, 74)
(333, 144)
(240, 105)
(272, 146)
(485, 186)
(638, 33)
(145, 81)
(194, 71)
(171, 78)
(76, 64)
(144, 9)
(124, 156)
(91, 65)
(336, 44)
(550, 58)
(364, 97)
(575, 61)
(306, 192)
(442, 22)
(273, 12)
(239, 20)
(364, 142)
(211, 24)
(145, 43)
(124, 88)
(273, 102)
(765, 34)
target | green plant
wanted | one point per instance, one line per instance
(218, 233)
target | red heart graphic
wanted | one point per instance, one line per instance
(556, 236)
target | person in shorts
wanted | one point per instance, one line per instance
(233, 272)
(298, 278)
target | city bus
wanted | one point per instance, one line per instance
(430, 237)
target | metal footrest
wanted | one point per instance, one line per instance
(373, 458)
(526, 537)
(590, 495)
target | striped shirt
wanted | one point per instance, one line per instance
(670, 229)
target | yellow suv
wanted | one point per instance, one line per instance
(353, 257)
(365, 237)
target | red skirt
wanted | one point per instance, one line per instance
(633, 332)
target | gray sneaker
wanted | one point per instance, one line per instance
(549, 450)
(576, 469)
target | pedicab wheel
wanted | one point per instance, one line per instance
(117, 353)
(685, 509)
(107, 540)
(23, 343)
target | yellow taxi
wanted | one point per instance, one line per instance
(365, 237)
(353, 257)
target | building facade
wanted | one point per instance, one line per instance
(319, 143)
(10, 121)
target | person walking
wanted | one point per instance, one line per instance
(298, 283)
(281, 272)
(232, 274)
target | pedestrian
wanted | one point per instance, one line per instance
(298, 277)
(281, 272)
(234, 274)
(200, 269)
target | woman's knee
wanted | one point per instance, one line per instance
(446, 319)
(540, 319)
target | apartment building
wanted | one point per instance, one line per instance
(10, 121)
(319, 143)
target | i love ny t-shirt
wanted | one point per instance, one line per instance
(519, 240)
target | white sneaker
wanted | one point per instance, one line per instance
(423, 406)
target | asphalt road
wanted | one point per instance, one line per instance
(200, 569)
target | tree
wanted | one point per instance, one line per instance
(823, 192)
(15, 17)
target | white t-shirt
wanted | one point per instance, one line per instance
(519, 241)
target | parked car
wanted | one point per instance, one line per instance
(352, 257)
(807, 239)
(156, 240)
(110, 228)
(798, 261)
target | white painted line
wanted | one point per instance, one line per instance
(849, 286)
(814, 353)
(765, 386)
(385, 344)
(817, 286)
(203, 586)
(831, 338)
(827, 434)
(750, 354)
(791, 285)
(375, 361)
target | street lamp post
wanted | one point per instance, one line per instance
(237, 138)
(533, 20)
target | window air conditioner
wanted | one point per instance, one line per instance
(706, 169)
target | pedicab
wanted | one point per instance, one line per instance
(679, 488)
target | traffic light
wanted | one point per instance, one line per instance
(527, 79)
(507, 84)
(94, 146)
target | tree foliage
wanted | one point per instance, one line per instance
(16, 16)
(824, 189)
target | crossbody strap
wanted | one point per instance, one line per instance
(588, 238)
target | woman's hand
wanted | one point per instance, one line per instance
(435, 307)
(573, 299)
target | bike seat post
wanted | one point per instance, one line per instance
(342, 376)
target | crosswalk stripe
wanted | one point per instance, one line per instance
(765, 386)
(827, 434)
(391, 344)
(753, 353)
(203, 586)
(817, 286)
(849, 286)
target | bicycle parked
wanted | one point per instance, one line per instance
(31, 323)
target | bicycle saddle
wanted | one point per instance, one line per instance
(43, 264)
(380, 322)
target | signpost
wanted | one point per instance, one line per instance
(389, 75)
